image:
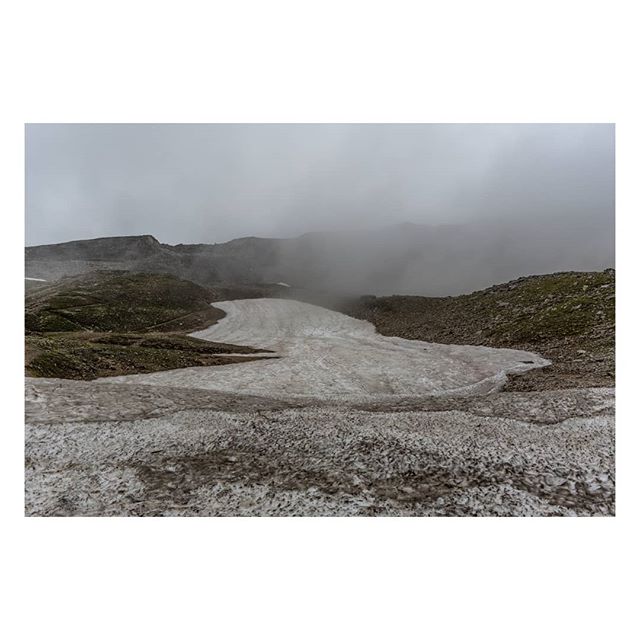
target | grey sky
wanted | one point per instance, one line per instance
(212, 183)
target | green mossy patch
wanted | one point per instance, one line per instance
(116, 323)
(84, 356)
(121, 301)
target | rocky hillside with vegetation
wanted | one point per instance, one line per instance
(114, 323)
(568, 318)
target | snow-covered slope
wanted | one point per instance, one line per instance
(324, 353)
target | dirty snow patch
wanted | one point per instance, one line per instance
(324, 353)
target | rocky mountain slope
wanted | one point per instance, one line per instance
(569, 318)
(401, 259)
(245, 260)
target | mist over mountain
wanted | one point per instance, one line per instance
(282, 231)
(404, 258)
(381, 208)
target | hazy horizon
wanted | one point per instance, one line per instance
(503, 200)
(213, 183)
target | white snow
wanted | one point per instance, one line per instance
(36, 279)
(324, 353)
(283, 284)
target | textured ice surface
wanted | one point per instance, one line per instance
(331, 462)
(324, 353)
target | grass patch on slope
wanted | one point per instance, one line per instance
(120, 301)
(84, 356)
(117, 323)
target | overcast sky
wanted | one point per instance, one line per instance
(212, 183)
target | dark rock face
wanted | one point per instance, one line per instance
(113, 249)
(246, 260)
